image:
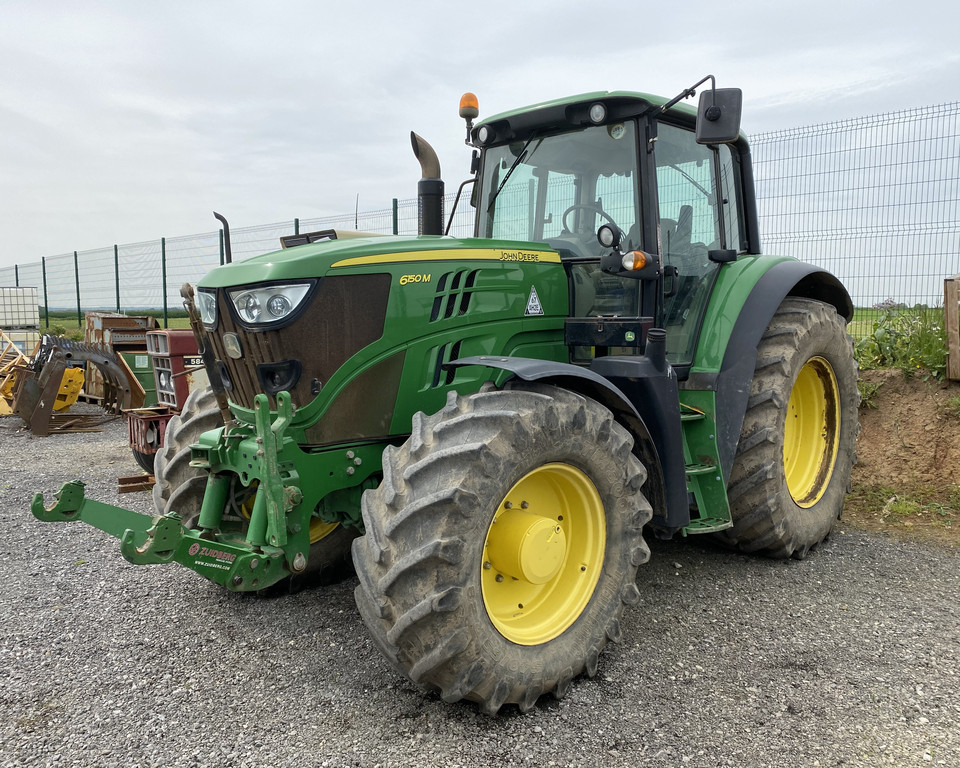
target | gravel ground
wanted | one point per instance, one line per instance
(846, 658)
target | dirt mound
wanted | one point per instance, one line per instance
(908, 458)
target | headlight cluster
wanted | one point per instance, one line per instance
(268, 304)
(207, 306)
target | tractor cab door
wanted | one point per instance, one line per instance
(700, 223)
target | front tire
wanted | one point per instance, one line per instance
(503, 544)
(798, 442)
(179, 487)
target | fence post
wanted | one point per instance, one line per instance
(76, 273)
(396, 217)
(116, 272)
(296, 226)
(163, 272)
(16, 275)
(951, 322)
(46, 304)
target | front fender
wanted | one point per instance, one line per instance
(531, 369)
(657, 441)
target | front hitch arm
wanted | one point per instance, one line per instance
(143, 539)
(163, 539)
(71, 505)
(69, 499)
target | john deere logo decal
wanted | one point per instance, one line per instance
(533, 303)
(519, 256)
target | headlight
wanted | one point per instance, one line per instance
(207, 306)
(268, 304)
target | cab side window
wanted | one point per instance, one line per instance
(690, 214)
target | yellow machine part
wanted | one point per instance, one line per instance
(70, 386)
(6, 393)
(10, 358)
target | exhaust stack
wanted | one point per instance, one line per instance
(228, 254)
(429, 188)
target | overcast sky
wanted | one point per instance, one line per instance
(123, 121)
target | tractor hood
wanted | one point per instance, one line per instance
(318, 259)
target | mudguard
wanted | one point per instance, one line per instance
(747, 294)
(651, 415)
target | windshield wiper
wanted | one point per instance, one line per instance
(522, 156)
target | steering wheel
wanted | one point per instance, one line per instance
(586, 207)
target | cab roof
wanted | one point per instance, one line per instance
(573, 111)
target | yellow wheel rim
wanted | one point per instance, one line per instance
(318, 528)
(811, 432)
(543, 554)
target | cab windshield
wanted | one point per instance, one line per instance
(559, 189)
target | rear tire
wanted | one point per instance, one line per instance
(798, 442)
(179, 488)
(503, 544)
(145, 460)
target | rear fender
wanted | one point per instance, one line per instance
(740, 311)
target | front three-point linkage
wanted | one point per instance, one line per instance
(242, 566)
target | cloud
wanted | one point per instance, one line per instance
(123, 122)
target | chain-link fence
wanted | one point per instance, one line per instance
(875, 200)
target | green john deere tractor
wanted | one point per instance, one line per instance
(489, 425)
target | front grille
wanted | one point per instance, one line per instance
(346, 313)
(164, 381)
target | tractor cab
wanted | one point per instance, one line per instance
(673, 207)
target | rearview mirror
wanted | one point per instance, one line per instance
(718, 116)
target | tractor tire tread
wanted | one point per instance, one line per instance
(415, 591)
(176, 481)
(766, 520)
